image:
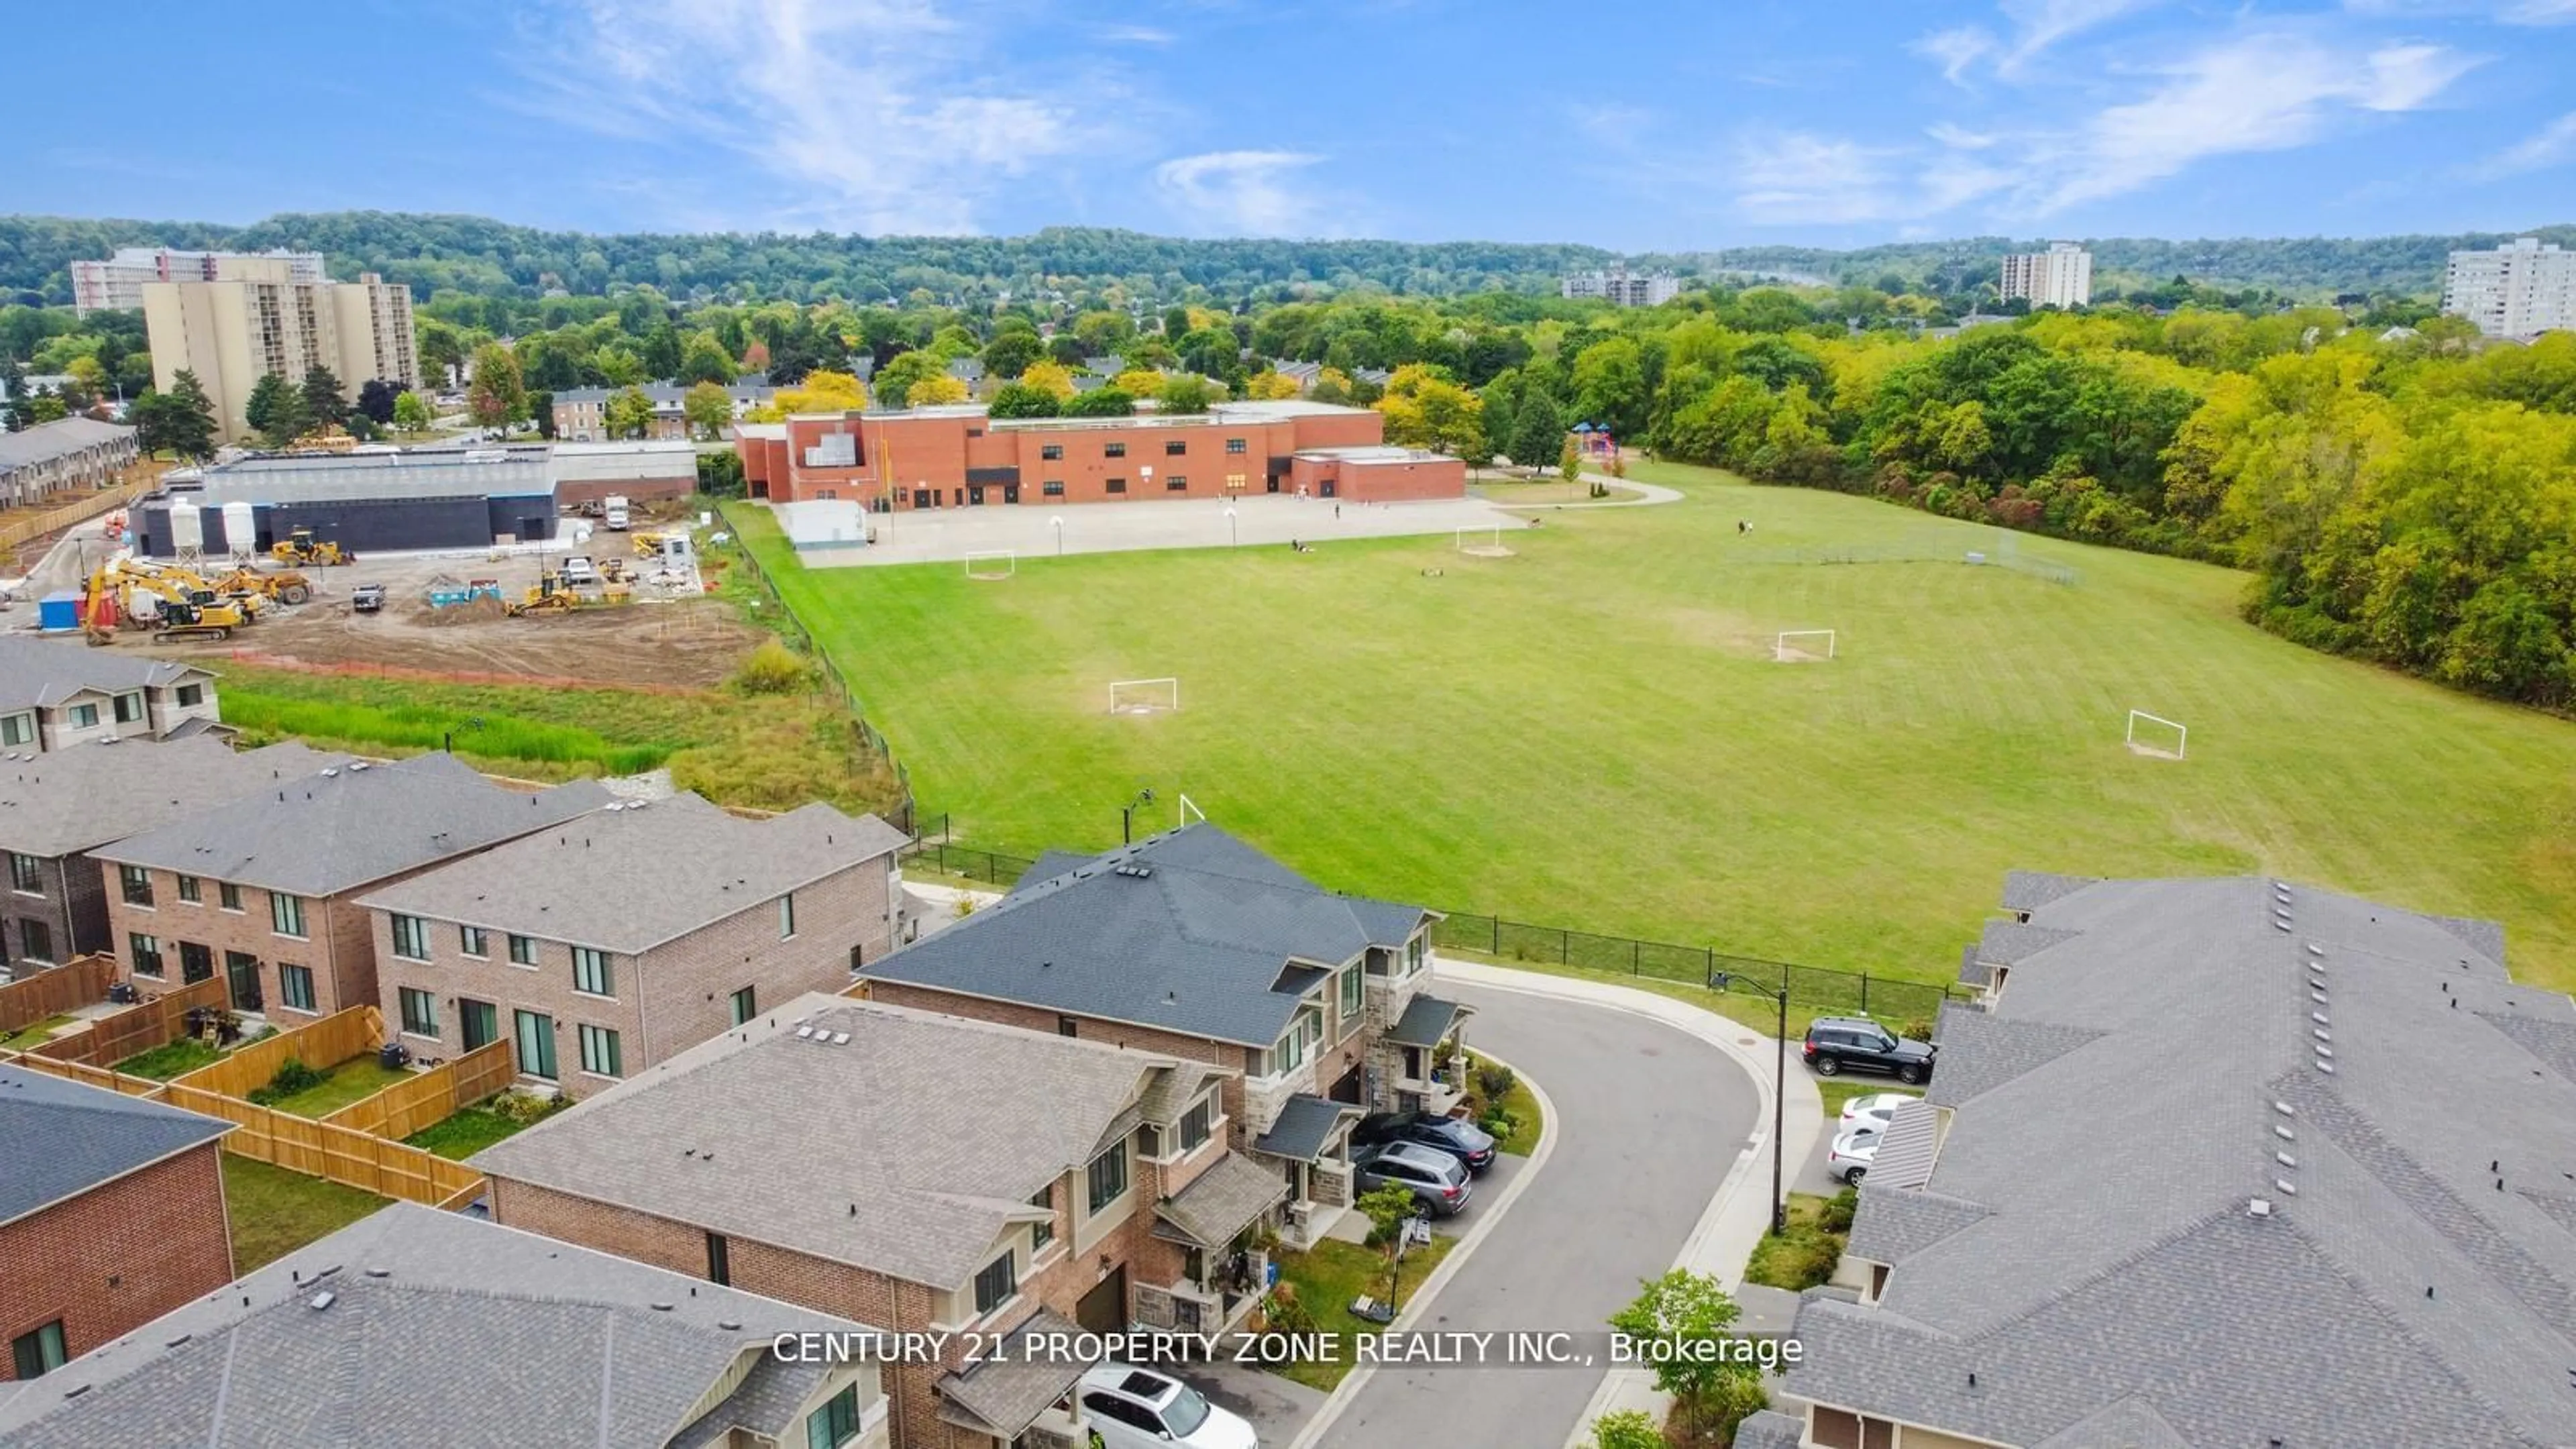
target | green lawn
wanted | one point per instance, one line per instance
(274, 1211)
(1333, 1273)
(1591, 732)
(468, 1132)
(170, 1059)
(33, 1034)
(1529, 1123)
(357, 1077)
(1804, 1256)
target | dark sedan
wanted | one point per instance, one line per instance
(1461, 1139)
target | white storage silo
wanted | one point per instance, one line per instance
(241, 530)
(187, 530)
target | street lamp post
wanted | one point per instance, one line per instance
(1724, 981)
(1127, 814)
(1233, 533)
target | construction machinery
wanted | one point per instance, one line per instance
(550, 596)
(285, 586)
(124, 590)
(301, 547)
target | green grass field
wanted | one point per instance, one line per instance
(274, 1211)
(1591, 732)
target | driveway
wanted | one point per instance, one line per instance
(1649, 1121)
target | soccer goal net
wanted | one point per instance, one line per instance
(2151, 734)
(1802, 646)
(1483, 542)
(992, 564)
(1188, 811)
(1144, 696)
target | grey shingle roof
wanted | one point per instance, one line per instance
(1189, 931)
(2005, 943)
(440, 1329)
(629, 877)
(1425, 1021)
(1770, 1429)
(2102, 1270)
(333, 832)
(42, 672)
(2028, 890)
(47, 441)
(1006, 1391)
(1221, 1201)
(867, 1151)
(68, 800)
(60, 1138)
(1304, 1123)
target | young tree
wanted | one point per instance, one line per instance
(823, 391)
(1691, 1312)
(1269, 384)
(1425, 410)
(1051, 378)
(496, 397)
(1569, 464)
(275, 411)
(411, 412)
(895, 380)
(1538, 429)
(541, 411)
(709, 408)
(628, 413)
(326, 403)
(1186, 393)
(376, 400)
(1101, 402)
(1627, 1429)
(1020, 400)
(932, 391)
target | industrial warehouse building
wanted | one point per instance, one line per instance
(421, 498)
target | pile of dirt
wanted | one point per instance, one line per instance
(482, 609)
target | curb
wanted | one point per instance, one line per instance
(1351, 1384)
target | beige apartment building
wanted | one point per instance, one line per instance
(265, 319)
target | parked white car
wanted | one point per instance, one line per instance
(1848, 1160)
(1138, 1408)
(1872, 1111)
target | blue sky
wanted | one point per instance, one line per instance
(1679, 125)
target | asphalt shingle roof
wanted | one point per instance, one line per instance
(1190, 931)
(67, 800)
(1007, 1390)
(2370, 1076)
(39, 673)
(1305, 1122)
(63, 436)
(907, 1148)
(439, 1329)
(1221, 1201)
(1770, 1429)
(333, 832)
(628, 877)
(1425, 1021)
(59, 1139)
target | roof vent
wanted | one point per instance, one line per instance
(2285, 1109)
(356, 766)
(2285, 1187)
(2316, 950)
(380, 1272)
(729, 1325)
(330, 774)
(804, 1031)
(182, 1338)
(2285, 1159)
(2285, 1134)
(321, 1300)
(2320, 1033)
(2260, 1207)
(2319, 1018)
(840, 1038)
(661, 1307)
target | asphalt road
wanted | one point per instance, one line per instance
(1649, 1122)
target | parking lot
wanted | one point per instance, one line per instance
(1037, 531)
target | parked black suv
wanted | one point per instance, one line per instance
(1465, 1141)
(1856, 1043)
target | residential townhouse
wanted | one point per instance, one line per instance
(61, 456)
(2331, 1203)
(414, 1326)
(56, 807)
(55, 693)
(625, 936)
(267, 886)
(111, 1214)
(922, 1173)
(1195, 945)
(581, 413)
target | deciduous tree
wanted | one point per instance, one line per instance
(709, 408)
(628, 413)
(497, 397)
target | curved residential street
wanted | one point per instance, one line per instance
(1649, 1122)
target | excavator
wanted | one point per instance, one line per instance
(179, 580)
(284, 586)
(301, 547)
(120, 590)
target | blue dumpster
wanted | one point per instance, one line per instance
(58, 611)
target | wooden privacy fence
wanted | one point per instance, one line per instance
(86, 1075)
(325, 1043)
(81, 981)
(344, 1155)
(153, 1022)
(90, 506)
(432, 1096)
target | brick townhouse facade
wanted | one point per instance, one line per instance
(56, 806)
(958, 456)
(111, 1214)
(918, 1172)
(617, 940)
(1194, 944)
(264, 888)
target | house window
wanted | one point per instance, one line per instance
(1149, 1143)
(1413, 955)
(1198, 1123)
(599, 1054)
(590, 971)
(196, 962)
(191, 695)
(84, 716)
(144, 953)
(228, 895)
(1108, 1175)
(295, 986)
(1041, 1234)
(1175, 483)
(1114, 485)
(1175, 447)
(1235, 448)
(26, 874)
(1354, 992)
(1067, 1026)
(286, 914)
(836, 1423)
(473, 942)
(1052, 488)
(411, 938)
(18, 729)
(129, 709)
(1290, 1053)
(535, 1040)
(192, 890)
(135, 883)
(997, 1283)
(1051, 452)
(419, 1013)
(744, 1007)
(1113, 450)
(35, 940)
(787, 916)
(523, 951)
(719, 1259)
(38, 1351)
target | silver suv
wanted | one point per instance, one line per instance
(1440, 1183)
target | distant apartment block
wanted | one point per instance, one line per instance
(116, 285)
(1621, 288)
(2520, 290)
(264, 319)
(2061, 276)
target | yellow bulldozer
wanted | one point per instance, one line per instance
(301, 547)
(284, 586)
(550, 596)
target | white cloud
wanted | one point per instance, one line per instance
(878, 115)
(1243, 193)
(2553, 145)
(2035, 26)
(1956, 49)
(1798, 178)
(1137, 35)
(2539, 12)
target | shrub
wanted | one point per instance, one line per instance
(773, 668)
(1502, 1126)
(1837, 1214)
(1726, 1404)
(524, 1108)
(1626, 1429)
(1285, 1313)
(1495, 1081)
(293, 1076)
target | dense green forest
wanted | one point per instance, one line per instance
(478, 256)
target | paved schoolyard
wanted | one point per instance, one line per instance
(1261, 520)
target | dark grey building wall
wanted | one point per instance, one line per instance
(366, 524)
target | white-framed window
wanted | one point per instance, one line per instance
(787, 916)
(1198, 1123)
(599, 1052)
(1290, 1053)
(411, 939)
(17, 729)
(1041, 1234)
(84, 716)
(591, 972)
(473, 941)
(286, 914)
(419, 1013)
(129, 708)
